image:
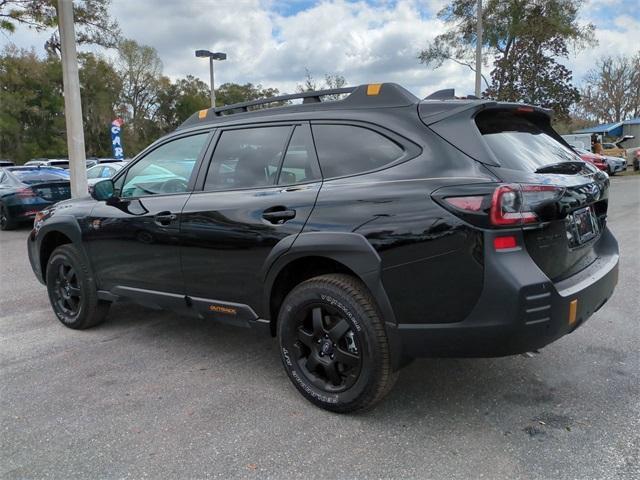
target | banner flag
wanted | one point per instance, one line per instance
(116, 141)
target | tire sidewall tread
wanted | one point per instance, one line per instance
(350, 295)
(92, 310)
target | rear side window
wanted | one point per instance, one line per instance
(349, 149)
(521, 143)
(299, 163)
(247, 158)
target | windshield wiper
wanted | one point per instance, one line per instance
(562, 167)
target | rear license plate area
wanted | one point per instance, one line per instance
(584, 225)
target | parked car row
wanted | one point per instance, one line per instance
(607, 163)
(64, 162)
(24, 191)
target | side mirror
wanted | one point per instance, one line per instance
(103, 190)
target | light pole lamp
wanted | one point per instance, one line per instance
(212, 56)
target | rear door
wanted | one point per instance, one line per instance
(258, 189)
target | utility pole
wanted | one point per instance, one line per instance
(72, 105)
(479, 50)
(213, 88)
(211, 56)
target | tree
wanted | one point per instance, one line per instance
(517, 33)
(31, 106)
(140, 70)
(178, 101)
(92, 21)
(230, 93)
(101, 87)
(611, 91)
(331, 81)
(535, 78)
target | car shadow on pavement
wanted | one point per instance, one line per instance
(451, 388)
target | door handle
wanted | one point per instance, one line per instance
(164, 218)
(278, 215)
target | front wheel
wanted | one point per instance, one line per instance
(333, 344)
(72, 289)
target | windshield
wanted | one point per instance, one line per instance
(32, 176)
(520, 143)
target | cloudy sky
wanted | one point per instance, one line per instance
(270, 42)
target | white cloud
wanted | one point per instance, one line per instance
(365, 42)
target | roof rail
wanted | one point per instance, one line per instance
(376, 95)
(308, 97)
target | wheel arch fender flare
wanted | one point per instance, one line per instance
(352, 250)
(66, 225)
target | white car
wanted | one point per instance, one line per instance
(615, 164)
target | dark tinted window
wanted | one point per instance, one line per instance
(39, 175)
(299, 163)
(522, 143)
(347, 149)
(247, 158)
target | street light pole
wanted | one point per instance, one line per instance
(211, 56)
(479, 50)
(213, 89)
(72, 104)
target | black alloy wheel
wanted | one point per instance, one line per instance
(334, 345)
(325, 348)
(72, 289)
(66, 291)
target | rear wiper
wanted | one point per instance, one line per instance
(562, 167)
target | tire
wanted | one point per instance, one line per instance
(333, 344)
(6, 223)
(72, 289)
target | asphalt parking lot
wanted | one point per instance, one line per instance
(152, 395)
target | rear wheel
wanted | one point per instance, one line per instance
(333, 344)
(72, 290)
(6, 223)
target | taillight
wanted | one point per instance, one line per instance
(519, 204)
(506, 205)
(25, 193)
(471, 204)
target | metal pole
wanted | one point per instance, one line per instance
(479, 50)
(72, 104)
(213, 90)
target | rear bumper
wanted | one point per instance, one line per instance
(520, 309)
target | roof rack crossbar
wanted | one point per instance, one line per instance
(308, 97)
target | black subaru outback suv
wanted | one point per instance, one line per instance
(360, 232)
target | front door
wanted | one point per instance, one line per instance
(260, 187)
(134, 238)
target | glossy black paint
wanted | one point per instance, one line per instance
(222, 254)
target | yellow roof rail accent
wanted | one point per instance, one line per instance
(374, 88)
(202, 114)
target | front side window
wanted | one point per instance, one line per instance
(165, 170)
(349, 149)
(247, 158)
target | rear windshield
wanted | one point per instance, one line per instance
(31, 176)
(521, 143)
